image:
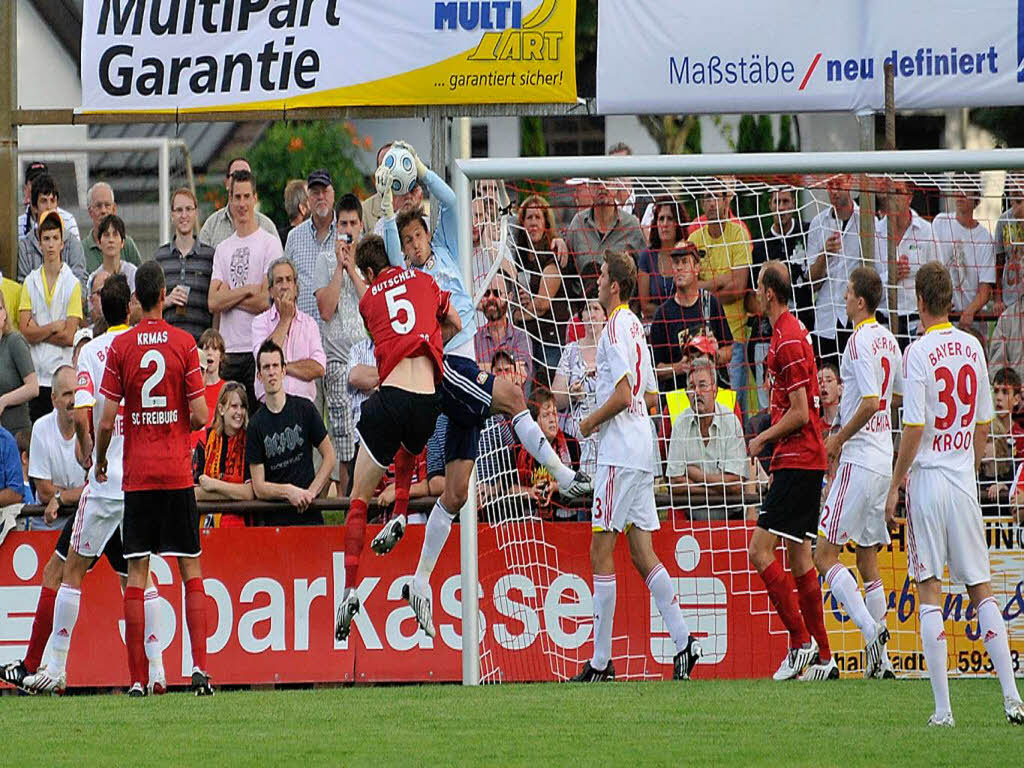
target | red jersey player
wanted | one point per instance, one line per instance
(791, 505)
(404, 312)
(154, 368)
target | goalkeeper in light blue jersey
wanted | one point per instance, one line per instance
(469, 395)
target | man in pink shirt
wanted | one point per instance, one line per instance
(238, 286)
(291, 329)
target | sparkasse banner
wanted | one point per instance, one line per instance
(807, 55)
(269, 54)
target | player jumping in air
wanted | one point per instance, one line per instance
(154, 368)
(624, 487)
(947, 407)
(855, 510)
(406, 315)
(790, 507)
(95, 529)
(468, 395)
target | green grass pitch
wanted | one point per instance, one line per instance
(845, 723)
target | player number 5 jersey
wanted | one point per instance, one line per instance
(625, 441)
(947, 392)
(871, 367)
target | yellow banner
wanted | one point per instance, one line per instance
(967, 655)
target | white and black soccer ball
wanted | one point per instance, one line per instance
(403, 170)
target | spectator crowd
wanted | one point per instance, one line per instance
(287, 362)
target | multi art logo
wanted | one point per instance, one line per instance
(508, 34)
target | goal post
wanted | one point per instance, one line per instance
(527, 551)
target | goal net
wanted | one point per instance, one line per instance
(699, 242)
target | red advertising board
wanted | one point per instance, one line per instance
(273, 594)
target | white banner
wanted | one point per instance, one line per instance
(268, 54)
(656, 56)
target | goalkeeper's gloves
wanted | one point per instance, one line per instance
(383, 178)
(421, 168)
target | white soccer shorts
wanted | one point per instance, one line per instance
(97, 520)
(624, 497)
(855, 508)
(944, 527)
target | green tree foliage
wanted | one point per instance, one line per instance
(290, 150)
(785, 135)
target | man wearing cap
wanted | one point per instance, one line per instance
(313, 236)
(29, 218)
(686, 315)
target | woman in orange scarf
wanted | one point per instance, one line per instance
(219, 466)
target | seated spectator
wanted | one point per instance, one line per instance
(52, 466)
(100, 204)
(707, 458)
(238, 287)
(50, 312)
(601, 227)
(1009, 245)
(544, 304)
(534, 480)
(965, 247)
(296, 207)
(575, 384)
(1005, 445)
(279, 446)
(28, 219)
(188, 266)
(292, 330)
(211, 355)
(725, 253)
(13, 489)
(222, 473)
(30, 253)
(110, 235)
(830, 387)
(19, 383)
(23, 438)
(499, 333)
(688, 313)
(338, 287)
(220, 225)
(655, 269)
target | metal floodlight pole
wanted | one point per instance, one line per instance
(763, 163)
(468, 516)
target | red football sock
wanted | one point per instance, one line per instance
(779, 584)
(135, 635)
(405, 463)
(195, 617)
(355, 534)
(809, 589)
(42, 626)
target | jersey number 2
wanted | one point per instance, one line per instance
(149, 400)
(398, 304)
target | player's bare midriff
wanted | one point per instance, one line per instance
(413, 374)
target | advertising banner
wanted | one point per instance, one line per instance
(273, 595)
(807, 55)
(269, 54)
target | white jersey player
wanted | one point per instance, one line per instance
(947, 408)
(871, 372)
(624, 484)
(101, 507)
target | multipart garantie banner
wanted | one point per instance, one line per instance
(807, 55)
(268, 54)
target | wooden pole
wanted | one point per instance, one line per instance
(890, 240)
(10, 192)
(867, 196)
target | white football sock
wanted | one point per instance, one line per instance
(993, 632)
(844, 587)
(439, 525)
(874, 599)
(65, 615)
(151, 605)
(660, 585)
(604, 617)
(933, 640)
(533, 440)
